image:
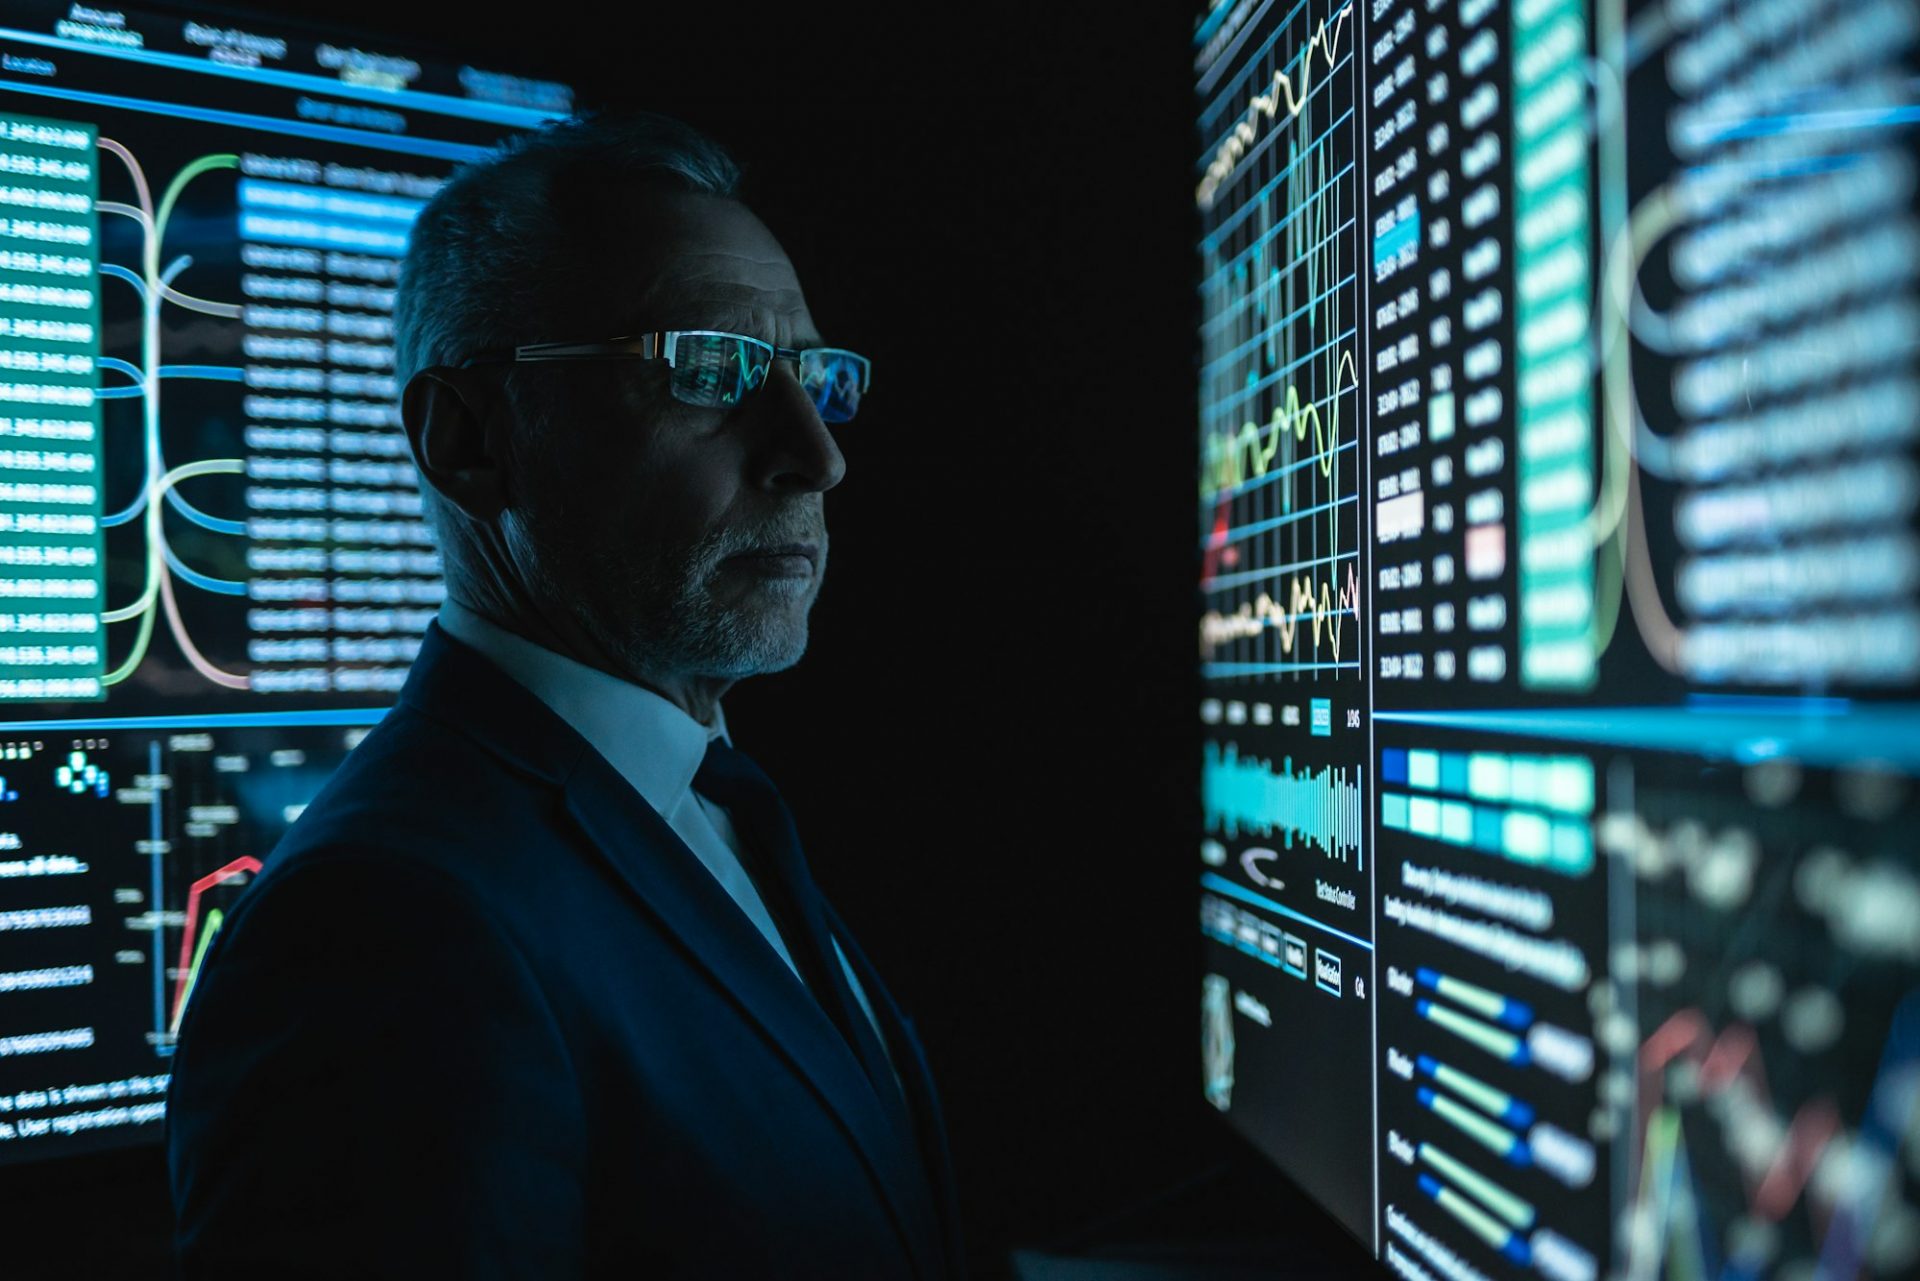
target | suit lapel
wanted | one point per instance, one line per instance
(692, 906)
(456, 686)
(923, 1099)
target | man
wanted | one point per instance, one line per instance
(538, 985)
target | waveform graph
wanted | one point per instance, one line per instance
(1319, 809)
(1279, 412)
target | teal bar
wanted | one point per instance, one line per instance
(1526, 838)
(1554, 414)
(1495, 1138)
(1572, 850)
(1393, 811)
(1569, 785)
(1487, 775)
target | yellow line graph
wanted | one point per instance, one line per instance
(1281, 92)
(1279, 314)
(1305, 601)
(1312, 239)
(1233, 458)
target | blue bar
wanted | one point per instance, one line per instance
(1813, 733)
(218, 373)
(225, 720)
(292, 198)
(1520, 1055)
(524, 117)
(333, 233)
(1393, 765)
(1397, 237)
(1516, 1113)
(458, 152)
(1817, 122)
(1513, 1014)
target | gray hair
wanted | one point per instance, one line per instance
(494, 255)
(487, 250)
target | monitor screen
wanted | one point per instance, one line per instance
(214, 570)
(1559, 394)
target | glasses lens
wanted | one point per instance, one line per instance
(717, 369)
(835, 379)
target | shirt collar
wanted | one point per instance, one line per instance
(649, 740)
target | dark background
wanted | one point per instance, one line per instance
(992, 746)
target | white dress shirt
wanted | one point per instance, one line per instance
(651, 743)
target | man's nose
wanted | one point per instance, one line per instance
(800, 453)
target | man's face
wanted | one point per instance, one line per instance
(689, 542)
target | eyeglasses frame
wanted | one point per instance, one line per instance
(659, 344)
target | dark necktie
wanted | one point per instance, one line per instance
(772, 847)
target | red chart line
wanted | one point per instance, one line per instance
(239, 867)
(1727, 1056)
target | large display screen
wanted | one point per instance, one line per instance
(1559, 374)
(214, 572)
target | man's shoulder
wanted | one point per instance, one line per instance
(424, 795)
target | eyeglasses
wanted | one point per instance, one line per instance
(715, 369)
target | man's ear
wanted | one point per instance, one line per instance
(456, 422)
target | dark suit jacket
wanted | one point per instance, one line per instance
(483, 1015)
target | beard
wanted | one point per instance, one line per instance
(661, 610)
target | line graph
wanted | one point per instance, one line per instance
(1282, 93)
(1323, 612)
(1280, 378)
(1674, 1216)
(194, 939)
(1775, 968)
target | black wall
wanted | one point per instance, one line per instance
(991, 746)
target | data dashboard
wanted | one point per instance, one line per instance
(214, 572)
(1559, 626)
